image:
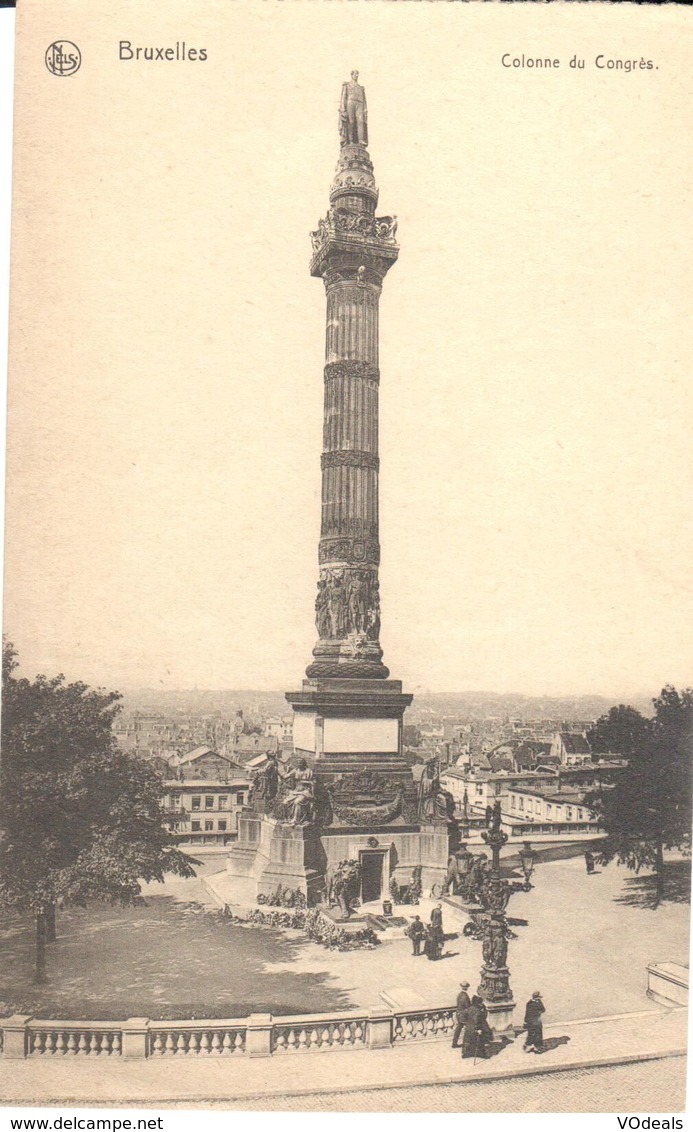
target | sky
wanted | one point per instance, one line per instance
(167, 342)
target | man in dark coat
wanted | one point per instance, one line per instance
(477, 1032)
(433, 946)
(534, 1042)
(589, 861)
(461, 1008)
(417, 933)
(436, 931)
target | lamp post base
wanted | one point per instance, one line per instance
(500, 1018)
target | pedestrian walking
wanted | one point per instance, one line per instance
(477, 1032)
(461, 1007)
(534, 1042)
(417, 933)
(589, 861)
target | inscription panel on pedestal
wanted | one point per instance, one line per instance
(361, 735)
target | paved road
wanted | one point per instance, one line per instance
(650, 1086)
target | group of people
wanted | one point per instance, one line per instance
(471, 1024)
(431, 936)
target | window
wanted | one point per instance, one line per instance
(196, 802)
(196, 827)
(569, 813)
(175, 801)
(223, 801)
(579, 815)
(209, 826)
(222, 826)
(479, 788)
(512, 801)
(240, 797)
(522, 803)
(549, 807)
(209, 801)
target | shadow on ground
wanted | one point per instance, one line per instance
(640, 892)
(553, 1043)
(164, 958)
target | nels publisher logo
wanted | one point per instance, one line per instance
(63, 58)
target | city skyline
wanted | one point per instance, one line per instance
(165, 417)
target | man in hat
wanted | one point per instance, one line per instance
(461, 1008)
(417, 933)
(534, 1042)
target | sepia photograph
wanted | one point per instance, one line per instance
(347, 692)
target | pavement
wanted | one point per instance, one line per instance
(577, 1047)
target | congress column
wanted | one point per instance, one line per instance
(348, 708)
(353, 250)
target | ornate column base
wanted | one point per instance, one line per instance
(500, 1018)
(354, 658)
(495, 990)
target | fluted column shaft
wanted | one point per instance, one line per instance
(352, 257)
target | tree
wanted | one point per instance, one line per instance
(622, 731)
(80, 820)
(649, 809)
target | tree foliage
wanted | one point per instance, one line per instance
(80, 820)
(623, 731)
(649, 808)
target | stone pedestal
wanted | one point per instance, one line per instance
(135, 1038)
(15, 1036)
(275, 854)
(667, 983)
(342, 726)
(301, 857)
(258, 1035)
(495, 990)
(500, 1017)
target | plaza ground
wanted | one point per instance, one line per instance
(585, 944)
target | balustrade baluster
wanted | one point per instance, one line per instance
(60, 1042)
(358, 1034)
(157, 1046)
(117, 1043)
(227, 1044)
(82, 1045)
(204, 1044)
(216, 1044)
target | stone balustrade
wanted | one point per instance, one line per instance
(197, 1039)
(418, 1025)
(258, 1035)
(321, 1032)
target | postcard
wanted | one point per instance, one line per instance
(347, 707)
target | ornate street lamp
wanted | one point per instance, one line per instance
(528, 860)
(494, 987)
